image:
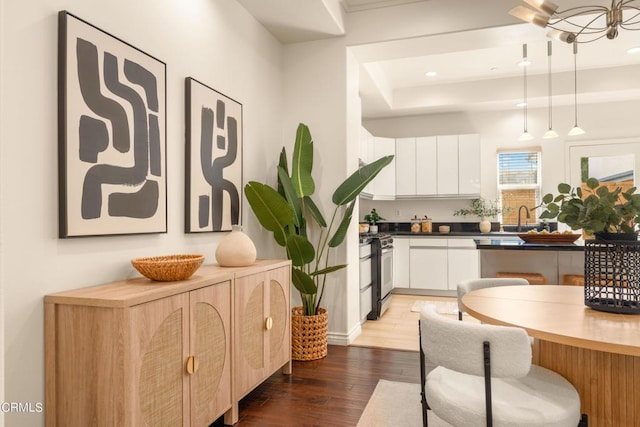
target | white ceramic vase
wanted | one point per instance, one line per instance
(236, 249)
(373, 229)
(485, 225)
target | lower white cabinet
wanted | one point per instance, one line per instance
(401, 262)
(463, 262)
(439, 264)
(428, 264)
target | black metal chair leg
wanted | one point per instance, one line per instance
(584, 420)
(459, 315)
(423, 380)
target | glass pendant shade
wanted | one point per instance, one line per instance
(576, 130)
(526, 136)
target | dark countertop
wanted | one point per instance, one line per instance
(519, 244)
(495, 234)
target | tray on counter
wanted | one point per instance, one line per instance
(548, 238)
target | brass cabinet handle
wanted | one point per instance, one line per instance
(192, 365)
(268, 324)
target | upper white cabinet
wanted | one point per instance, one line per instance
(406, 167)
(426, 160)
(434, 166)
(448, 168)
(384, 185)
(469, 164)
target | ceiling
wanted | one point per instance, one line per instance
(477, 70)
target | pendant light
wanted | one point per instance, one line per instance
(526, 136)
(576, 130)
(550, 133)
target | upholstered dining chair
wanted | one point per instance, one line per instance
(471, 285)
(484, 376)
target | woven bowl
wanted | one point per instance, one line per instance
(169, 267)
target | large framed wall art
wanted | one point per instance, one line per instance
(111, 134)
(213, 160)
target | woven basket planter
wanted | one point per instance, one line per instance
(308, 335)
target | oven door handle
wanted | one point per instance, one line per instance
(386, 251)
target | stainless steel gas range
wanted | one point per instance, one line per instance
(381, 274)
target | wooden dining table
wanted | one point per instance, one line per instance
(598, 352)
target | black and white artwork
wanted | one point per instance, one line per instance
(112, 133)
(213, 159)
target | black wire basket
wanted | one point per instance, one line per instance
(612, 276)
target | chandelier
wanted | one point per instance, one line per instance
(600, 20)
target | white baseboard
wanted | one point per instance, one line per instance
(337, 338)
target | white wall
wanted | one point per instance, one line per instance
(500, 130)
(218, 43)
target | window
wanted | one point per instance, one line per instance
(519, 183)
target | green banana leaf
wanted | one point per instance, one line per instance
(302, 162)
(341, 231)
(283, 164)
(300, 250)
(271, 209)
(290, 195)
(314, 211)
(328, 270)
(303, 282)
(352, 186)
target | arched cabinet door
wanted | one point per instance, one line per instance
(262, 339)
(182, 358)
(210, 332)
(160, 345)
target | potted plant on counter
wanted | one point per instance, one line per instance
(611, 274)
(294, 218)
(372, 218)
(483, 209)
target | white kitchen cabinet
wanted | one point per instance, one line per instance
(366, 156)
(469, 164)
(435, 263)
(401, 262)
(428, 264)
(463, 261)
(426, 160)
(405, 167)
(447, 171)
(384, 185)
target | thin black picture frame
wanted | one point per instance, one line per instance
(213, 159)
(112, 104)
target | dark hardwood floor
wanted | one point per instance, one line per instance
(329, 392)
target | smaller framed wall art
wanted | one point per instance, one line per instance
(213, 159)
(111, 134)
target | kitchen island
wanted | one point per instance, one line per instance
(511, 254)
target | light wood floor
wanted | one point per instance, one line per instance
(398, 327)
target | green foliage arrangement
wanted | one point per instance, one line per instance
(601, 210)
(481, 208)
(374, 217)
(289, 212)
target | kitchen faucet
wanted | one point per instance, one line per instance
(519, 228)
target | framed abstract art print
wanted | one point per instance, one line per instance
(213, 160)
(111, 134)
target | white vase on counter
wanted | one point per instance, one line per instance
(485, 225)
(373, 229)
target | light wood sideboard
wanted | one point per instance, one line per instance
(138, 352)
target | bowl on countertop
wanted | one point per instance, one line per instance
(168, 268)
(444, 229)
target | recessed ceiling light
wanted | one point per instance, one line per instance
(431, 74)
(524, 63)
(634, 50)
(521, 104)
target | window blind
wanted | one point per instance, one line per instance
(519, 168)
